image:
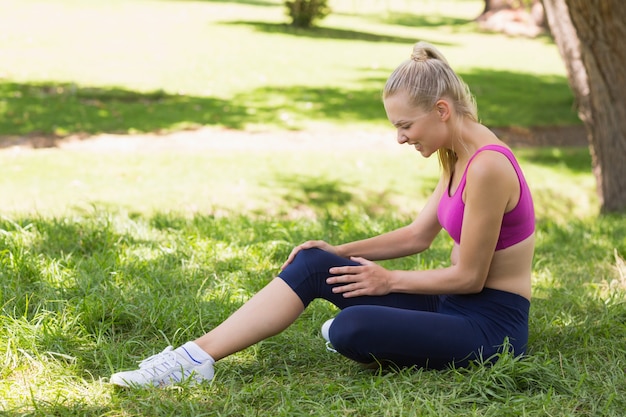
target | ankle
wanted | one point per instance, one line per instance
(195, 353)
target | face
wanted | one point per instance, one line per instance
(422, 129)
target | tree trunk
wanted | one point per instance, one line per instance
(590, 35)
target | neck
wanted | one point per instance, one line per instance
(471, 137)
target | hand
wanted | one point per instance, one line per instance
(308, 245)
(368, 278)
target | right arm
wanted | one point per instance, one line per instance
(408, 240)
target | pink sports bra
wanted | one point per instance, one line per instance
(517, 224)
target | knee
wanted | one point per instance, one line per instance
(311, 262)
(312, 256)
(349, 333)
(307, 273)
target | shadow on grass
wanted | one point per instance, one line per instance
(575, 159)
(420, 21)
(66, 108)
(63, 109)
(326, 196)
(323, 32)
(315, 192)
(521, 99)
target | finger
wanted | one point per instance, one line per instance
(310, 244)
(291, 256)
(345, 270)
(360, 260)
(343, 288)
(348, 291)
(343, 279)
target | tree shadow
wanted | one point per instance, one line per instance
(61, 109)
(526, 99)
(418, 20)
(575, 159)
(315, 192)
(321, 32)
(323, 195)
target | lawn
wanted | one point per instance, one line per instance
(129, 66)
(110, 251)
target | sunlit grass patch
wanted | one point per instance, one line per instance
(68, 322)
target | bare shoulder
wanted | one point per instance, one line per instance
(491, 166)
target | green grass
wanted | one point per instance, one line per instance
(108, 256)
(89, 286)
(142, 66)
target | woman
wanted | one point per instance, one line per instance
(472, 309)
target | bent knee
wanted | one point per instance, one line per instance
(313, 256)
(349, 330)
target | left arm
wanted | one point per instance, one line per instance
(491, 187)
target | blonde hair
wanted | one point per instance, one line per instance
(427, 77)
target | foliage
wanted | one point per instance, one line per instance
(304, 13)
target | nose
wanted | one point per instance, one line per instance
(401, 138)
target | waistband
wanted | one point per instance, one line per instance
(489, 297)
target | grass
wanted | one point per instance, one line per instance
(108, 256)
(128, 66)
(90, 288)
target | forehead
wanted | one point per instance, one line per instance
(399, 108)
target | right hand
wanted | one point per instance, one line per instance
(320, 244)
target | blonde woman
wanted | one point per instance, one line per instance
(472, 309)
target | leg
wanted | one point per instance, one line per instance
(267, 313)
(406, 337)
(271, 310)
(307, 278)
(280, 303)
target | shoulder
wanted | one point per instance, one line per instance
(490, 165)
(491, 175)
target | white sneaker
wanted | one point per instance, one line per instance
(325, 330)
(165, 368)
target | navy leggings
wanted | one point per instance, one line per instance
(411, 329)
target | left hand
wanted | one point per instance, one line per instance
(368, 278)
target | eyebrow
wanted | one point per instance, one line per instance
(400, 122)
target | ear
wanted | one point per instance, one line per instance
(443, 109)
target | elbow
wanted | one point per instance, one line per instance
(420, 245)
(475, 287)
(472, 283)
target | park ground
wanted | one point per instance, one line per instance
(211, 138)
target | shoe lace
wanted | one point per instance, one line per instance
(167, 357)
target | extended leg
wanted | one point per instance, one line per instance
(271, 310)
(267, 313)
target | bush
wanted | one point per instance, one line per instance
(304, 13)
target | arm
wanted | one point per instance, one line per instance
(408, 240)
(491, 187)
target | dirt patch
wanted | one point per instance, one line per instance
(544, 136)
(211, 138)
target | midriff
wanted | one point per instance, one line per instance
(510, 268)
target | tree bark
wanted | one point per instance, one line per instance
(590, 35)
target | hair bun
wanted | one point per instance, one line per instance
(419, 55)
(423, 51)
